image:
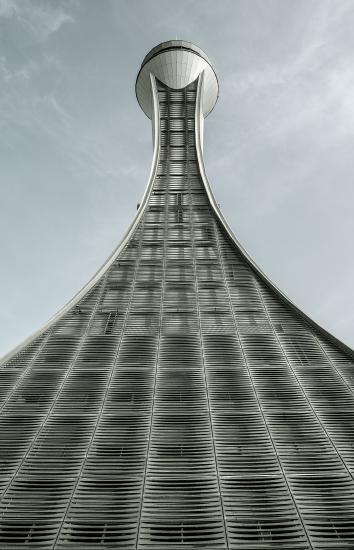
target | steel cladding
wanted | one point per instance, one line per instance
(180, 400)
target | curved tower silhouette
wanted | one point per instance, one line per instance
(180, 400)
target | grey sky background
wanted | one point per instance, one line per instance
(75, 148)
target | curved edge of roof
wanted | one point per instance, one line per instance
(279, 293)
(114, 255)
(175, 44)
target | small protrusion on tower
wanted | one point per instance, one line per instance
(176, 63)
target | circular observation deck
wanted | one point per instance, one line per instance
(176, 64)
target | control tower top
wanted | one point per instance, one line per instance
(176, 64)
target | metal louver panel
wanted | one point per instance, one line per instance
(180, 401)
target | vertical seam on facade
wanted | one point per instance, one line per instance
(103, 403)
(146, 469)
(335, 368)
(26, 369)
(201, 342)
(255, 389)
(300, 385)
(60, 389)
(215, 224)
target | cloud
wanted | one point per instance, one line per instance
(310, 85)
(8, 8)
(41, 20)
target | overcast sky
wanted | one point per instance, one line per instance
(75, 148)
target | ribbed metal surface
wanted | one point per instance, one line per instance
(181, 402)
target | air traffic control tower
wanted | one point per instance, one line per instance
(180, 400)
